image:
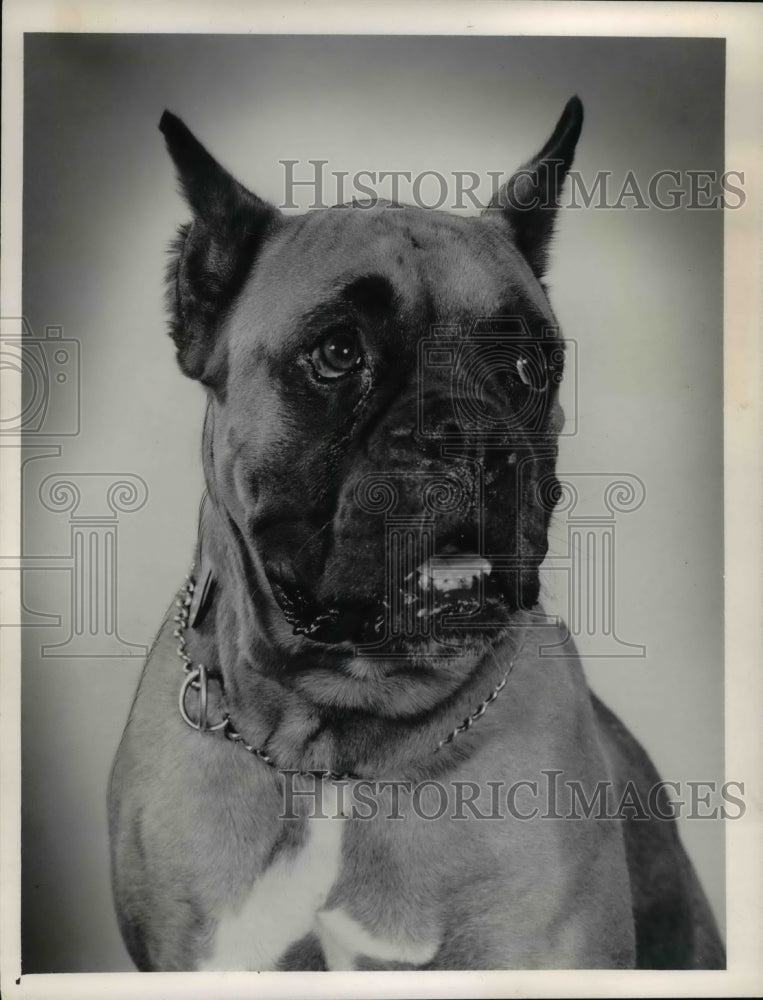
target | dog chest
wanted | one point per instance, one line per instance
(301, 896)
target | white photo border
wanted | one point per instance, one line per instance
(742, 27)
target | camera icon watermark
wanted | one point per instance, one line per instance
(41, 395)
(49, 369)
(497, 377)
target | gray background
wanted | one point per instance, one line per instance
(640, 292)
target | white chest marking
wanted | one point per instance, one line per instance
(343, 938)
(283, 903)
(287, 902)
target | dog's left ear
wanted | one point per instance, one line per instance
(213, 255)
(530, 198)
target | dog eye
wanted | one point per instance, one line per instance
(531, 371)
(523, 370)
(337, 354)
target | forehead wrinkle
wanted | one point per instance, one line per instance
(462, 266)
(278, 299)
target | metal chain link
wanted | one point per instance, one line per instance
(183, 604)
(194, 680)
(478, 712)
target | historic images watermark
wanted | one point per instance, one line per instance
(551, 796)
(309, 185)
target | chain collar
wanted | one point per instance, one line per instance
(197, 677)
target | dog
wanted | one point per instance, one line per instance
(355, 654)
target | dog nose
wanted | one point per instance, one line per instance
(406, 444)
(401, 433)
(437, 420)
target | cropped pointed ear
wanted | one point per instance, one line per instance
(212, 255)
(530, 198)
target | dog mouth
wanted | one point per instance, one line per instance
(441, 595)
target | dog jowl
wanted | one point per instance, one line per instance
(379, 453)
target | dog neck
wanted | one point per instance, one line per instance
(269, 683)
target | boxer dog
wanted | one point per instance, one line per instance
(346, 750)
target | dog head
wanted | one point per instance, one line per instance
(383, 404)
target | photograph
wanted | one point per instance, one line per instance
(366, 406)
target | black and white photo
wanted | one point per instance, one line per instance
(371, 401)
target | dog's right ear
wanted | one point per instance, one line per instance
(212, 255)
